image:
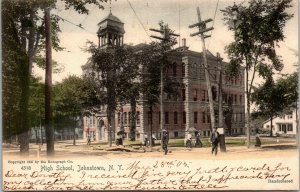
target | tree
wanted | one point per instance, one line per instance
(273, 98)
(24, 42)
(114, 70)
(270, 100)
(154, 62)
(258, 30)
(290, 85)
(70, 100)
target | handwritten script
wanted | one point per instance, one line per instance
(146, 174)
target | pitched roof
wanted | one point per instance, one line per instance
(111, 17)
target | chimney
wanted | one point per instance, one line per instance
(183, 42)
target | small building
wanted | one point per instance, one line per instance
(285, 124)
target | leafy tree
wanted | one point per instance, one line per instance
(258, 30)
(270, 99)
(114, 71)
(71, 97)
(154, 59)
(290, 85)
(23, 43)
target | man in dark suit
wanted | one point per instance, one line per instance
(214, 139)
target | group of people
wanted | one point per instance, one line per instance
(189, 141)
(214, 140)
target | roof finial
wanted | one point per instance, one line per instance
(109, 6)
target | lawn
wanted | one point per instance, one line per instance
(230, 141)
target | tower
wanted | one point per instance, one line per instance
(111, 32)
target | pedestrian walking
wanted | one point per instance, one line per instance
(146, 141)
(198, 140)
(88, 140)
(189, 141)
(214, 139)
(165, 140)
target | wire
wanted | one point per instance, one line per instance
(139, 20)
(88, 15)
(213, 22)
(77, 25)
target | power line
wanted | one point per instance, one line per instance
(88, 14)
(213, 22)
(77, 25)
(139, 20)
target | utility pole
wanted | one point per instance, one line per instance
(165, 39)
(202, 29)
(220, 103)
(48, 85)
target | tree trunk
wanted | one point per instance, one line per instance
(151, 112)
(23, 135)
(48, 86)
(248, 109)
(74, 133)
(271, 128)
(132, 119)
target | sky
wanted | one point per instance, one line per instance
(140, 15)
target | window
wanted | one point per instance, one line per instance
(176, 134)
(166, 117)
(174, 69)
(203, 95)
(183, 94)
(129, 118)
(290, 127)
(119, 118)
(195, 94)
(159, 118)
(183, 70)
(138, 118)
(283, 126)
(207, 99)
(149, 118)
(195, 117)
(203, 117)
(175, 117)
(241, 99)
(235, 99)
(208, 118)
(184, 117)
(125, 118)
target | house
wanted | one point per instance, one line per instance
(190, 109)
(285, 124)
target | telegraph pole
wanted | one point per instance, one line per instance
(165, 39)
(202, 29)
(48, 85)
(220, 103)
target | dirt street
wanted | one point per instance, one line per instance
(82, 151)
